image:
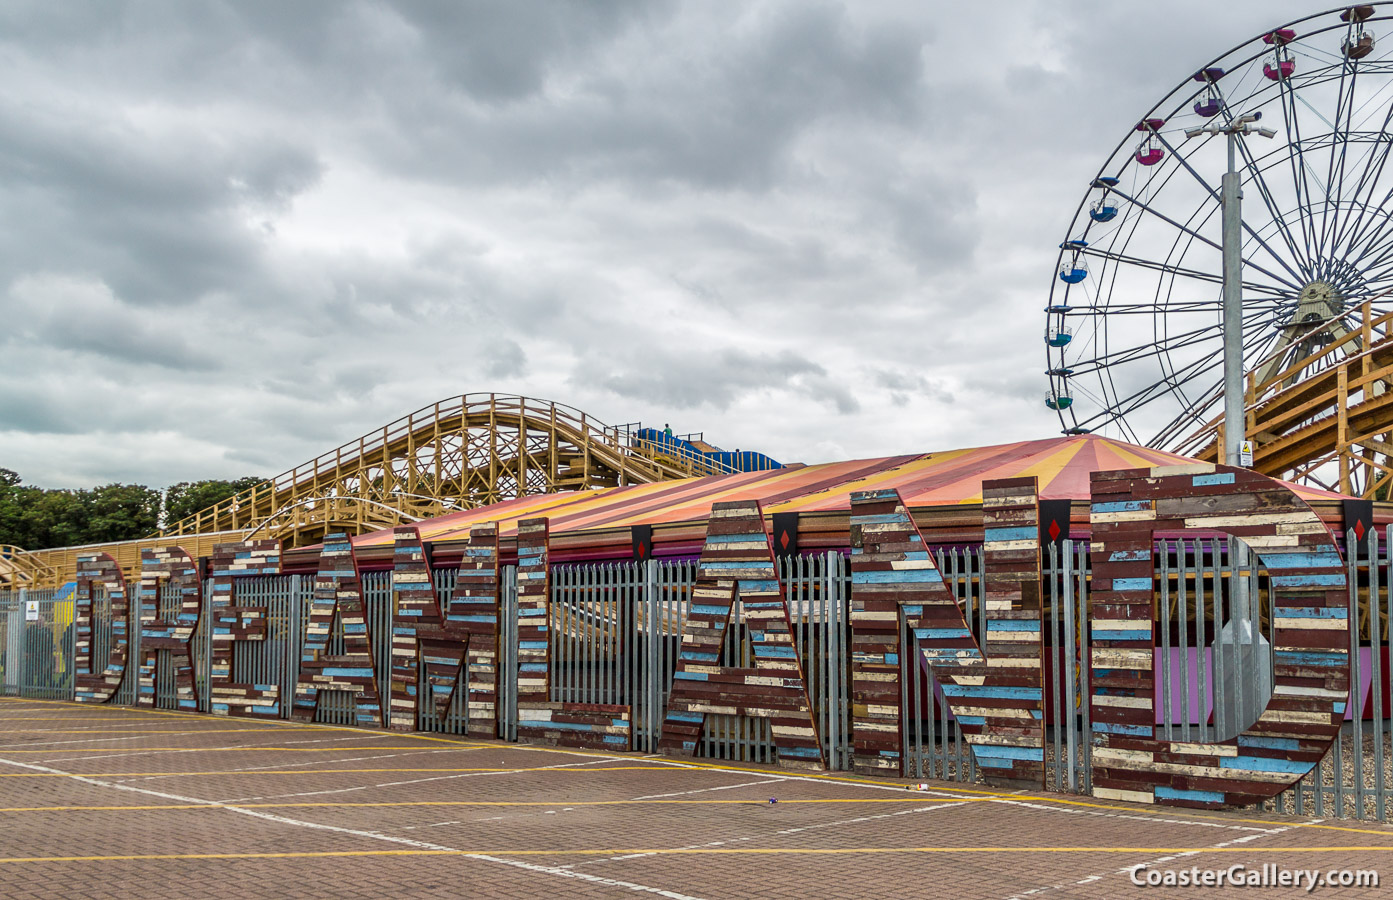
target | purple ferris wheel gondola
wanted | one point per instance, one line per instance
(1209, 107)
(1212, 101)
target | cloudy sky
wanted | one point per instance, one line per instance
(236, 235)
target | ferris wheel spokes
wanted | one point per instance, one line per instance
(1214, 195)
(1176, 270)
(1379, 139)
(1247, 262)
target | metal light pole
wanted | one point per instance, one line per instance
(1231, 196)
(1243, 657)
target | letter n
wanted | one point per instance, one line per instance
(91, 686)
(337, 593)
(173, 567)
(995, 689)
(462, 639)
(1310, 602)
(738, 563)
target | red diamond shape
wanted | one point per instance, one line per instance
(783, 540)
(1359, 529)
(1054, 531)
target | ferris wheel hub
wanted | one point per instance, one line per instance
(1318, 301)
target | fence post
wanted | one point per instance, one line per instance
(14, 647)
(290, 659)
(203, 675)
(834, 590)
(508, 655)
(1067, 665)
(651, 672)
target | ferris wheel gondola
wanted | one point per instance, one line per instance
(1212, 100)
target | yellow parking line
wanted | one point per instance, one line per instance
(460, 803)
(698, 851)
(308, 772)
(74, 706)
(258, 748)
(121, 734)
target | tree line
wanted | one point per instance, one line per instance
(36, 518)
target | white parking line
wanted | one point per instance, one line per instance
(1138, 818)
(369, 787)
(857, 820)
(129, 754)
(1090, 879)
(724, 787)
(371, 835)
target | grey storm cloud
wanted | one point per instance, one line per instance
(681, 379)
(238, 234)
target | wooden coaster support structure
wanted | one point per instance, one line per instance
(460, 453)
(1325, 418)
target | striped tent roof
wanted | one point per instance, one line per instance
(952, 477)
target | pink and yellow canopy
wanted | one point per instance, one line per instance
(952, 477)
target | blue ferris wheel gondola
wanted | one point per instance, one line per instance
(1074, 270)
(1102, 211)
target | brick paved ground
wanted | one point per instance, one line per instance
(102, 801)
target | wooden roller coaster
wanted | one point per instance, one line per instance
(1323, 416)
(459, 453)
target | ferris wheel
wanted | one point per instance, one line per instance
(1132, 326)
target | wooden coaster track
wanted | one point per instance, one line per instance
(459, 453)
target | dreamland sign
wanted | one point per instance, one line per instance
(995, 690)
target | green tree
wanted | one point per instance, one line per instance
(120, 512)
(189, 497)
(56, 518)
(36, 519)
(14, 501)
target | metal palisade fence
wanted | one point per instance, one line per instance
(616, 632)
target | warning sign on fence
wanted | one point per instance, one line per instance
(31, 610)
